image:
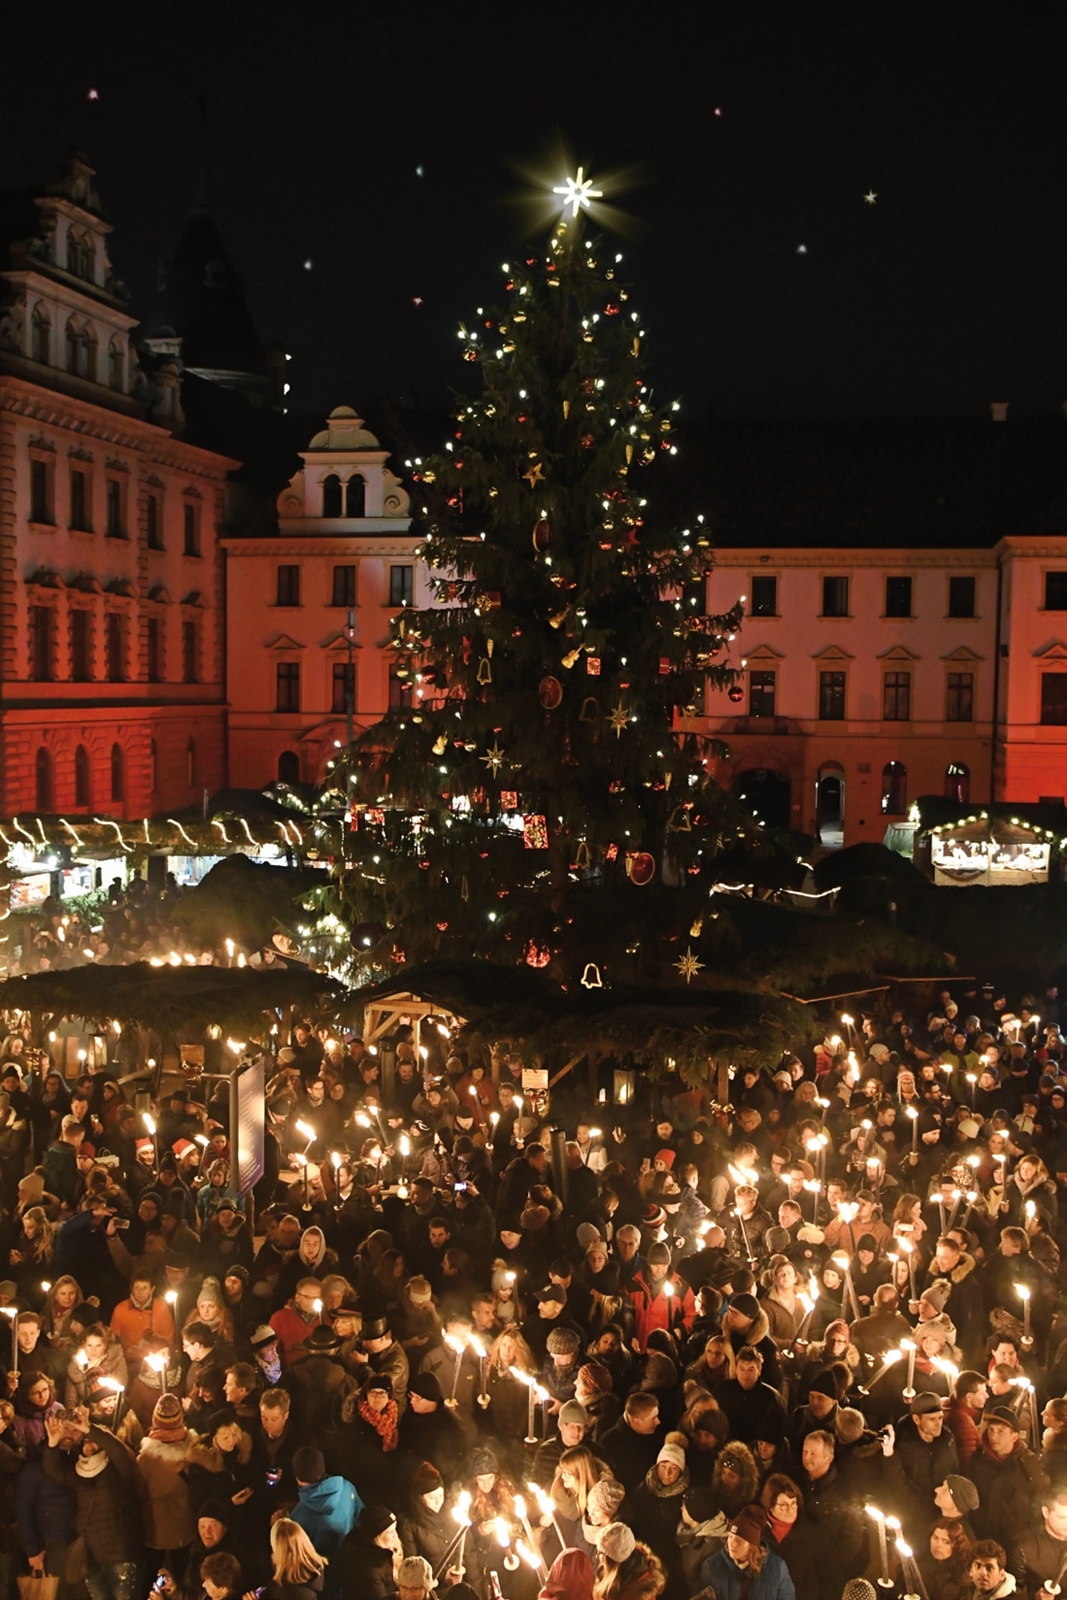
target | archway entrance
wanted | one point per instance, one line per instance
(766, 794)
(830, 808)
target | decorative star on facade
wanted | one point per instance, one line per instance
(577, 192)
(619, 719)
(534, 474)
(689, 966)
(493, 758)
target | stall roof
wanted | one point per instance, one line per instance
(937, 812)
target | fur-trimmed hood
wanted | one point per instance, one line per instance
(207, 1455)
(851, 1357)
(963, 1268)
(167, 1453)
(646, 1584)
(759, 1330)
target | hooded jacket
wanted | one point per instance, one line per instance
(327, 1512)
(1007, 1489)
(169, 1520)
(731, 1582)
(571, 1578)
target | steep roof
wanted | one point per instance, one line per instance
(202, 298)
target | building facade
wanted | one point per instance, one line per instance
(309, 610)
(871, 677)
(111, 613)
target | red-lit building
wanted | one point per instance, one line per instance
(111, 582)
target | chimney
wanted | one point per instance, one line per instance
(998, 410)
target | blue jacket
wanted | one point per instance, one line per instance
(327, 1511)
(45, 1508)
(728, 1579)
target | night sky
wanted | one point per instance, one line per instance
(945, 294)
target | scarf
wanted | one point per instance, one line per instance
(781, 1530)
(91, 1466)
(169, 1433)
(383, 1422)
(271, 1370)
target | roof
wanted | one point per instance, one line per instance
(945, 482)
(937, 812)
(202, 298)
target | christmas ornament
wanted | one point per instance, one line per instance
(559, 619)
(542, 536)
(537, 955)
(640, 867)
(550, 693)
(619, 719)
(591, 978)
(485, 671)
(581, 857)
(440, 744)
(534, 474)
(592, 666)
(464, 890)
(678, 821)
(696, 927)
(375, 816)
(590, 709)
(566, 409)
(689, 966)
(570, 658)
(494, 758)
(534, 832)
(509, 800)
(735, 693)
(611, 853)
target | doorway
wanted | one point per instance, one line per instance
(830, 808)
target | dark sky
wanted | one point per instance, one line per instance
(945, 294)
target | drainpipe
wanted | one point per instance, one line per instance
(996, 679)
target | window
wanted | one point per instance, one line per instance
(42, 634)
(40, 491)
(831, 696)
(898, 597)
(344, 587)
(116, 366)
(153, 518)
(288, 767)
(287, 679)
(764, 596)
(40, 336)
(894, 788)
(43, 775)
(959, 697)
(399, 690)
(116, 522)
(961, 597)
(355, 497)
(81, 623)
(835, 597)
(1056, 591)
(84, 354)
(72, 347)
(154, 650)
(761, 687)
(958, 783)
(288, 589)
(331, 496)
(82, 788)
(191, 524)
(114, 643)
(80, 503)
(190, 645)
(400, 586)
(896, 696)
(118, 773)
(80, 255)
(1054, 699)
(344, 686)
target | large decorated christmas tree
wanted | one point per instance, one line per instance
(544, 794)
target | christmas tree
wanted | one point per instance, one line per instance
(544, 794)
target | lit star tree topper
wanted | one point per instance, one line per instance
(578, 193)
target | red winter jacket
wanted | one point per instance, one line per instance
(654, 1308)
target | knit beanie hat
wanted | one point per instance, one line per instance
(426, 1478)
(427, 1386)
(574, 1415)
(587, 1233)
(616, 1542)
(481, 1462)
(746, 1305)
(937, 1294)
(826, 1384)
(867, 1241)
(605, 1497)
(563, 1342)
(374, 1520)
(595, 1375)
(671, 1450)
(964, 1494)
(750, 1523)
(659, 1255)
(168, 1420)
(858, 1589)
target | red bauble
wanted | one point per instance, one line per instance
(542, 536)
(735, 693)
(641, 867)
(550, 693)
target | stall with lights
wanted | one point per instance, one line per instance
(990, 846)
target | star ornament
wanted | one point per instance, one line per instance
(493, 758)
(577, 192)
(534, 474)
(619, 719)
(689, 966)
(870, 197)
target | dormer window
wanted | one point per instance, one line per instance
(331, 496)
(40, 336)
(80, 255)
(355, 496)
(81, 351)
(116, 366)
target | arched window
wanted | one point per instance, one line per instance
(73, 345)
(118, 773)
(355, 497)
(40, 335)
(116, 365)
(82, 791)
(958, 782)
(288, 767)
(894, 788)
(43, 773)
(190, 764)
(331, 496)
(74, 253)
(87, 355)
(153, 765)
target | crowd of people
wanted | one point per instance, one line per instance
(459, 1342)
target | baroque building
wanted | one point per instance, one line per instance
(111, 583)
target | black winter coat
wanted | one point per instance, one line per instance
(366, 1569)
(107, 1507)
